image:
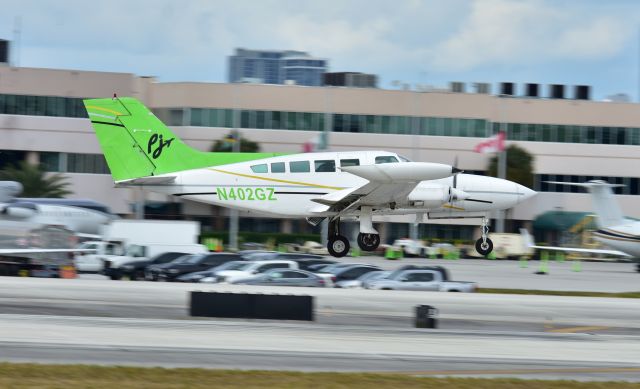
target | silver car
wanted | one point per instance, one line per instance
(285, 277)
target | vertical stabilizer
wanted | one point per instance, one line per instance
(604, 204)
(603, 200)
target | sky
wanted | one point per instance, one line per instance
(413, 42)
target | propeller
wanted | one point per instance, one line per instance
(452, 189)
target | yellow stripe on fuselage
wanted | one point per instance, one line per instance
(453, 207)
(278, 180)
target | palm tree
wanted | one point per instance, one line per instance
(35, 181)
(226, 144)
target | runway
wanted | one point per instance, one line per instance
(314, 347)
(144, 323)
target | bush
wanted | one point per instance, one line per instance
(263, 237)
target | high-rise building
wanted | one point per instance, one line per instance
(276, 67)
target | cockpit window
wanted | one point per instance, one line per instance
(404, 159)
(386, 159)
(262, 168)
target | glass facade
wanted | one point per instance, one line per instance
(73, 163)
(42, 106)
(402, 125)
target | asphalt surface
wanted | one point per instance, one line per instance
(146, 323)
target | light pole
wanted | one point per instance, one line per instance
(502, 159)
(233, 213)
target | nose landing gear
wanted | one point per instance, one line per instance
(484, 245)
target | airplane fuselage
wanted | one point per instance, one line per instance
(625, 237)
(288, 185)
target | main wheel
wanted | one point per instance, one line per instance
(368, 242)
(338, 246)
(484, 248)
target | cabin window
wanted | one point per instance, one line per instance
(277, 167)
(262, 168)
(325, 166)
(386, 159)
(349, 162)
(299, 167)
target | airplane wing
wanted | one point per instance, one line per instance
(528, 240)
(387, 184)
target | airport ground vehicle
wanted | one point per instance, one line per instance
(127, 240)
(362, 280)
(34, 249)
(188, 264)
(411, 247)
(422, 279)
(252, 268)
(285, 277)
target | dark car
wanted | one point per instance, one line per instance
(134, 270)
(352, 272)
(188, 264)
(285, 277)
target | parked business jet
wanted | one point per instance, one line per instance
(614, 230)
(141, 150)
(85, 217)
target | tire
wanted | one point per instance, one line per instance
(338, 246)
(484, 249)
(368, 242)
(115, 277)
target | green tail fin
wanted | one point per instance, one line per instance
(137, 144)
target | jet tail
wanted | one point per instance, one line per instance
(137, 144)
(604, 202)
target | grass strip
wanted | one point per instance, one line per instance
(39, 376)
(633, 295)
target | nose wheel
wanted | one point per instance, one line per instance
(484, 245)
(338, 246)
(368, 242)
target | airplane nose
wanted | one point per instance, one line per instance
(525, 192)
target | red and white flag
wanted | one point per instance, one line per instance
(493, 144)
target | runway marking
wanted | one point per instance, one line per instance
(570, 330)
(528, 371)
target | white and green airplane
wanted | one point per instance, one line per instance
(141, 150)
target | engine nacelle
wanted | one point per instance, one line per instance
(20, 210)
(9, 190)
(434, 196)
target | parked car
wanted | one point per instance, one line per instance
(188, 264)
(284, 277)
(210, 274)
(360, 281)
(351, 272)
(134, 270)
(252, 268)
(304, 260)
(422, 280)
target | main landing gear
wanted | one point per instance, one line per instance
(368, 238)
(484, 245)
(338, 245)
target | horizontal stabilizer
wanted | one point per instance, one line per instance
(148, 181)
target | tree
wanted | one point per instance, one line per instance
(519, 166)
(226, 144)
(35, 182)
